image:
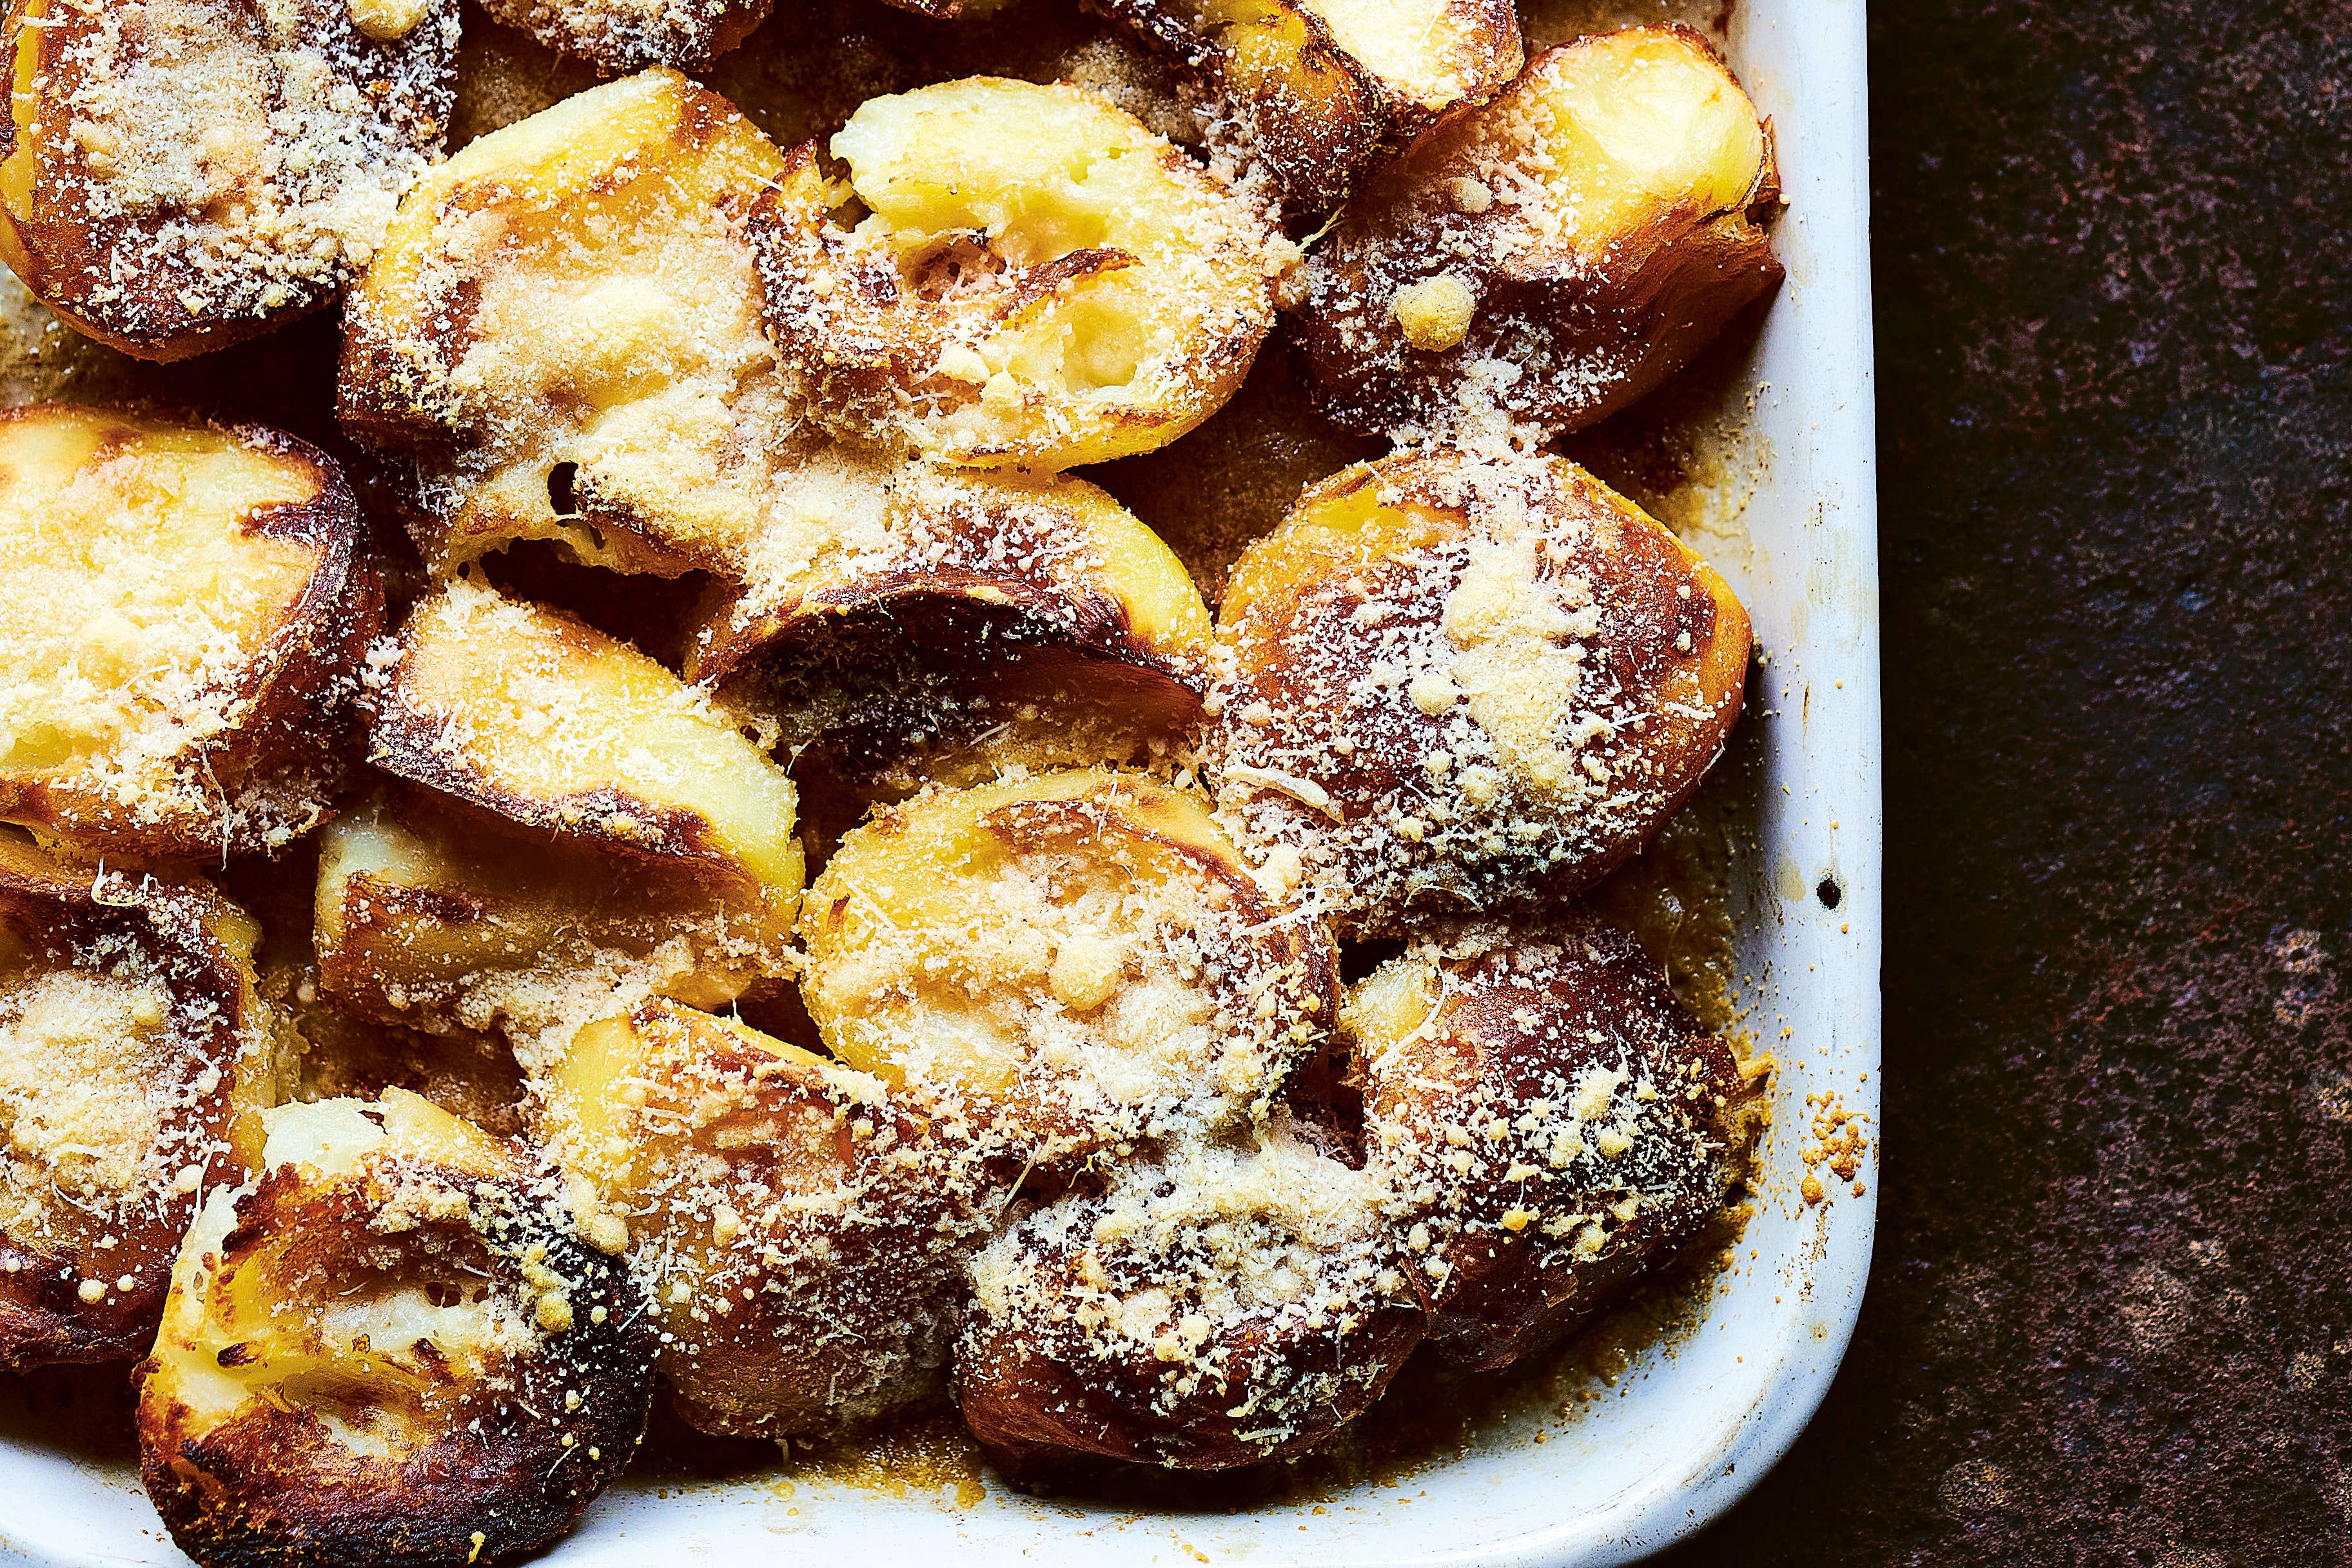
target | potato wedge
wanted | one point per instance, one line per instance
(1013, 275)
(630, 35)
(1554, 1120)
(801, 1235)
(186, 609)
(393, 1348)
(1057, 966)
(1462, 682)
(1318, 89)
(527, 714)
(562, 338)
(1547, 259)
(1224, 1306)
(134, 1064)
(183, 174)
(438, 922)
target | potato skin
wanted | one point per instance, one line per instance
(1119, 1324)
(273, 743)
(501, 1470)
(110, 257)
(60, 919)
(1459, 682)
(1554, 1121)
(1552, 321)
(617, 36)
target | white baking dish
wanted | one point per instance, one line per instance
(1698, 1416)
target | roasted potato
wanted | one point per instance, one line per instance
(182, 174)
(563, 339)
(1316, 90)
(801, 1235)
(445, 924)
(1012, 274)
(1546, 260)
(1059, 965)
(1554, 1121)
(1466, 683)
(1224, 1306)
(628, 35)
(396, 1347)
(186, 613)
(134, 1064)
(532, 716)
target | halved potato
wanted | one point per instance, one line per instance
(1551, 1117)
(524, 712)
(182, 174)
(628, 35)
(134, 1064)
(1221, 1306)
(1013, 275)
(563, 335)
(802, 1233)
(1464, 682)
(1319, 89)
(439, 922)
(186, 609)
(1547, 259)
(394, 1348)
(1060, 965)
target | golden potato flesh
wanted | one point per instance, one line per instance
(186, 611)
(800, 1233)
(1552, 1119)
(1225, 1306)
(524, 712)
(627, 34)
(1013, 275)
(133, 1066)
(1061, 964)
(438, 922)
(562, 336)
(182, 174)
(1316, 90)
(394, 1348)
(1464, 682)
(1547, 259)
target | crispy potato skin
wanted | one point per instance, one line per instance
(1314, 112)
(486, 1456)
(265, 734)
(1088, 1333)
(61, 923)
(1553, 317)
(1001, 315)
(800, 1232)
(617, 36)
(1554, 1119)
(1462, 682)
(94, 210)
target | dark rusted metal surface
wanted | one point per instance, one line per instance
(2110, 1319)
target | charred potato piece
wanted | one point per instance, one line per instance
(1549, 259)
(186, 609)
(394, 1348)
(562, 337)
(1059, 965)
(801, 1235)
(133, 1069)
(1320, 89)
(438, 922)
(1226, 1307)
(1459, 681)
(1013, 275)
(523, 713)
(182, 174)
(1553, 1120)
(628, 35)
